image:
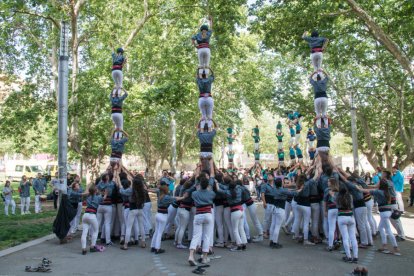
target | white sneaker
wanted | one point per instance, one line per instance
(219, 244)
(181, 246)
(258, 238)
(205, 261)
(306, 242)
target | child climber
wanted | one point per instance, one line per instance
(202, 42)
(116, 103)
(205, 100)
(317, 45)
(118, 62)
(321, 99)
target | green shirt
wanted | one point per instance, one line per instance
(280, 137)
(256, 139)
(256, 131)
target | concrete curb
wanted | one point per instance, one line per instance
(25, 245)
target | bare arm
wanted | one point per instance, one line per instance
(210, 18)
(325, 44)
(305, 34)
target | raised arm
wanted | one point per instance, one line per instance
(210, 19)
(325, 44)
(305, 34)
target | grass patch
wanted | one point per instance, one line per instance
(18, 229)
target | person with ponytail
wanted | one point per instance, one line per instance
(89, 221)
(202, 42)
(164, 200)
(104, 211)
(118, 61)
(331, 209)
(183, 213)
(136, 205)
(234, 199)
(346, 224)
(280, 196)
(383, 197)
(303, 208)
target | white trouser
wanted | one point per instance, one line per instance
(321, 106)
(135, 228)
(230, 147)
(190, 222)
(118, 120)
(400, 202)
(38, 204)
(117, 75)
(206, 105)
(347, 228)
(89, 224)
(316, 59)
(117, 219)
(363, 226)
(278, 217)
(160, 222)
(280, 145)
(147, 217)
(253, 216)
(218, 218)
(135, 215)
(290, 216)
(172, 212)
(6, 206)
(396, 223)
(311, 144)
(292, 140)
(332, 218)
(183, 218)
(268, 217)
(315, 214)
(24, 204)
(245, 224)
(203, 57)
(227, 225)
(238, 229)
(371, 220)
(303, 212)
(75, 222)
(201, 231)
(384, 228)
(105, 213)
(211, 231)
(256, 146)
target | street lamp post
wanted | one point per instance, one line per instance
(63, 107)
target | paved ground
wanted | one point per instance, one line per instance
(259, 259)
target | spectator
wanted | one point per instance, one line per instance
(39, 187)
(398, 181)
(8, 198)
(24, 190)
(368, 178)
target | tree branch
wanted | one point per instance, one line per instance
(379, 34)
(48, 17)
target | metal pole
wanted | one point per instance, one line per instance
(173, 143)
(354, 133)
(63, 108)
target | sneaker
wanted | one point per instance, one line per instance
(258, 238)
(159, 251)
(306, 242)
(218, 244)
(249, 240)
(83, 251)
(329, 248)
(400, 239)
(93, 249)
(180, 246)
(244, 247)
(284, 228)
(355, 260)
(277, 246)
(205, 261)
(122, 242)
(109, 244)
(346, 259)
(236, 249)
(153, 249)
